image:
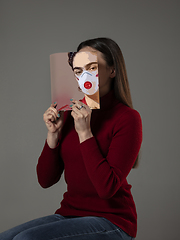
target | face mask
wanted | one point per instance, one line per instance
(88, 82)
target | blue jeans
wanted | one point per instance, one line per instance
(57, 227)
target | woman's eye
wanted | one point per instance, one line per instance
(93, 68)
(78, 72)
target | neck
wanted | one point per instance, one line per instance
(93, 100)
(104, 90)
(94, 97)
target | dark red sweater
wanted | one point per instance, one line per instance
(96, 170)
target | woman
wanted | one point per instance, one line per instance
(96, 150)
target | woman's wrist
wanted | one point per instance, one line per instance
(83, 136)
(52, 139)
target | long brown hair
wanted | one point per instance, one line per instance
(113, 56)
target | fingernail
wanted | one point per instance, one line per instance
(55, 102)
(71, 99)
(58, 115)
(71, 105)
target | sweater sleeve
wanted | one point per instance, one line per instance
(50, 166)
(108, 173)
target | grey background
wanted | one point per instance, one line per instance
(148, 34)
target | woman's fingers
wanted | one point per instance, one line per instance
(51, 114)
(53, 119)
(80, 108)
(80, 113)
(82, 116)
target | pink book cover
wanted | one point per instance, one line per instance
(74, 76)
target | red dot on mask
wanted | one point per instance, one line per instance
(87, 85)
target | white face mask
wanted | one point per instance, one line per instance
(88, 82)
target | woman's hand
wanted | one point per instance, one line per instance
(54, 121)
(82, 117)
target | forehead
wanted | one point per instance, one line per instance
(83, 58)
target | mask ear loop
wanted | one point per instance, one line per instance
(79, 89)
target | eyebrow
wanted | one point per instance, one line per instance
(87, 65)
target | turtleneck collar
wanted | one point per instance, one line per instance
(108, 100)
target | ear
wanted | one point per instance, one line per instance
(113, 73)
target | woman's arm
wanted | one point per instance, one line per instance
(50, 165)
(108, 173)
